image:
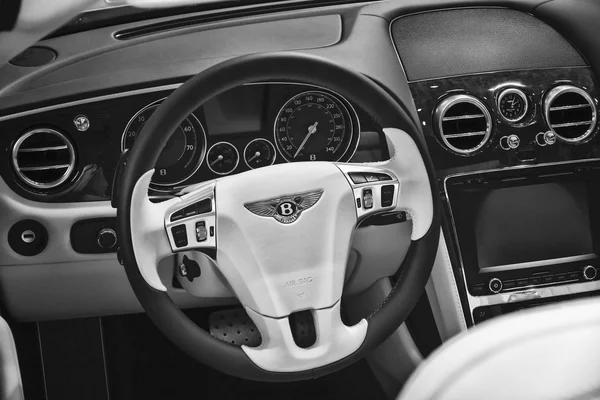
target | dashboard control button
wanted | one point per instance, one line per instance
(387, 195)
(107, 238)
(371, 177)
(358, 203)
(204, 206)
(357, 177)
(176, 216)
(212, 231)
(367, 197)
(509, 284)
(201, 231)
(180, 235)
(495, 285)
(28, 237)
(561, 277)
(190, 210)
(573, 275)
(589, 273)
(510, 142)
(545, 138)
(522, 282)
(478, 290)
(535, 280)
(82, 123)
(547, 278)
(384, 177)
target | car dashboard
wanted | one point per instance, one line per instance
(507, 103)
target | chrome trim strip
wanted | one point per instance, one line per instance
(568, 124)
(512, 297)
(466, 116)
(467, 134)
(45, 168)
(555, 93)
(47, 148)
(569, 107)
(541, 263)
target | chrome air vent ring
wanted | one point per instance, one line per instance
(464, 123)
(43, 158)
(570, 113)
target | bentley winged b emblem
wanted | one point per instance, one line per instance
(285, 209)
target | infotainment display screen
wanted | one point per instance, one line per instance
(523, 224)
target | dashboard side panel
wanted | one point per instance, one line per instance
(474, 40)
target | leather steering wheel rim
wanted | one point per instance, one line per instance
(361, 92)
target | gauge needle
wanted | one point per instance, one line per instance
(217, 160)
(311, 130)
(257, 154)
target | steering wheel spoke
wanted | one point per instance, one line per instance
(398, 184)
(280, 353)
(191, 223)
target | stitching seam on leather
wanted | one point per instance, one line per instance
(454, 286)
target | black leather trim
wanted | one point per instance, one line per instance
(9, 13)
(362, 92)
(579, 22)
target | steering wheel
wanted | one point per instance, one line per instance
(284, 223)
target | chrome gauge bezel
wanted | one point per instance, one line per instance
(347, 154)
(523, 97)
(260, 140)
(203, 140)
(237, 160)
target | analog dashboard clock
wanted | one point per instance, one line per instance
(512, 105)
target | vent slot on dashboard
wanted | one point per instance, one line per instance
(570, 113)
(464, 123)
(43, 158)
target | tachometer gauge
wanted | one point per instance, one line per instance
(314, 126)
(512, 104)
(222, 158)
(183, 153)
(259, 153)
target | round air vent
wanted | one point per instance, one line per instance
(43, 158)
(570, 113)
(464, 123)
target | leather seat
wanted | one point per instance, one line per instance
(550, 352)
(11, 387)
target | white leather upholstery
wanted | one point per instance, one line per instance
(543, 353)
(10, 375)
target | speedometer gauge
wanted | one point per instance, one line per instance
(314, 126)
(182, 155)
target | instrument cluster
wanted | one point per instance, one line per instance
(232, 133)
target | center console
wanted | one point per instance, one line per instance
(526, 233)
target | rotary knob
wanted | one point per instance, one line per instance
(589, 273)
(495, 285)
(510, 142)
(107, 238)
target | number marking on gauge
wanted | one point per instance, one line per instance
(183, 153)
(259, 153)
(313, 126)
(222, 158)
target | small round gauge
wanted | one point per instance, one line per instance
(259, 153)
(222, 158)
(512, 104)
(182, 155)
(315, 126)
